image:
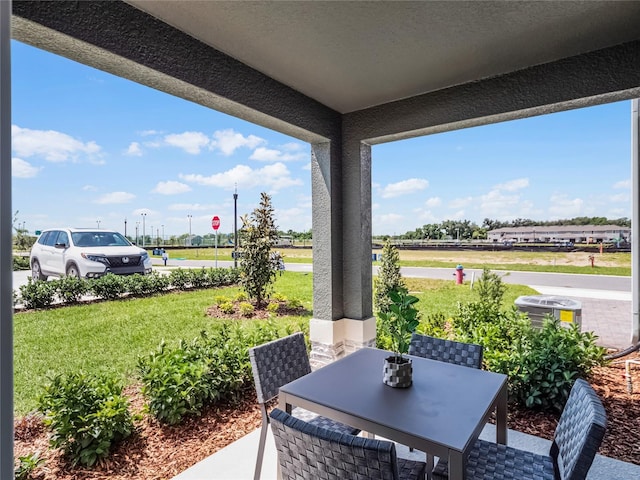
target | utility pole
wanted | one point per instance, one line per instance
(235, 227)
(125, 226)
(144, 231)
(189, 217)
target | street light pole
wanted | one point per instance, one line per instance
(235, 228)
(144, 231)
(137, 227)
(162, 235)
(98, 222)
(190, 217)
(125, 227)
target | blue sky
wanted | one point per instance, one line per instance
(89, 146)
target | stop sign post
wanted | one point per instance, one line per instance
(215, 224)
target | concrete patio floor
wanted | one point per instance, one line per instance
(237, 461)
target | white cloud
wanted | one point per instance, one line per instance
(190, 142)
(228, 141)
(404, 187)
(460, 202)
(171, 188)
(622, 184)
(23, 169)
(513, 185)
(620, 197)
(275, 177)
(433, 202)
(50, 145)
(293, 147)
(307, 166)
(390, 218)
(263, 154)
(564, 207)
(134, 150)
(89, 188)
(191, 207)
(115, 197)
(148, 133)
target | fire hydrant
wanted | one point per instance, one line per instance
(592, 260)
(459, 275)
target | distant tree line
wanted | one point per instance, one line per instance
(467, 230)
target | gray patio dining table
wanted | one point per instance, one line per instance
(442, 413)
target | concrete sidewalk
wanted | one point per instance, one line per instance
(237, 461)
(606, 313)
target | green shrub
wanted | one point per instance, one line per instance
(199, 278)
(543, 365)
(21, 263)
(37, 293)
(71, 289)
(227, 307)
(240, 297)
(388, 279)
(109, 286)
(294, 304)
(220, 299)
(87, 414)
(27, 464)
(246, 309)
(273, 307)
(145, 285)
(179, 278)
(279, 297)
(173, 382)
(182, 380)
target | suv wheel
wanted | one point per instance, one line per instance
(72, 270)
(36, 272)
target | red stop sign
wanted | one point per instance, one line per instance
(215, 222)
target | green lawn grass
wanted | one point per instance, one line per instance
(557, 262)
(110, 336)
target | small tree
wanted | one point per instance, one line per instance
(259, 233)
(389, 278)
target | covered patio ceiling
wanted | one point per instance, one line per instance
(354, 55)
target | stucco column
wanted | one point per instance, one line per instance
(341, 191)
(6, 261)
(635, 220)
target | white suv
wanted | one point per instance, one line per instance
(86, 253)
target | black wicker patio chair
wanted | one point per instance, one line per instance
(275, 364)
(575, 444)
(467, 354)
(306, 451)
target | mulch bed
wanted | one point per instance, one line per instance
(158, 452)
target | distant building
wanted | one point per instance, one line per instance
(561, 233)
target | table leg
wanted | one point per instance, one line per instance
(501, 417)
(456, 465)
(429, 462)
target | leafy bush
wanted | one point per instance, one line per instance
(220, 299)
(38, 293)
(87, 414)
(240, 297)
(145, 285)
(199, 278)
(279, 297)
(294, 303)
(388, 279)
(109, 286)
(273, 307)
(182, 380)
(27, 464)
(227, 307)
(543, 366)
(21, 263)
(71, 289)
(179, 278)
(246, 309)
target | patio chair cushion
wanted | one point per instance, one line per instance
(459, 353)
(306, 451)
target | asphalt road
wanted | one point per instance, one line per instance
(561, 280)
